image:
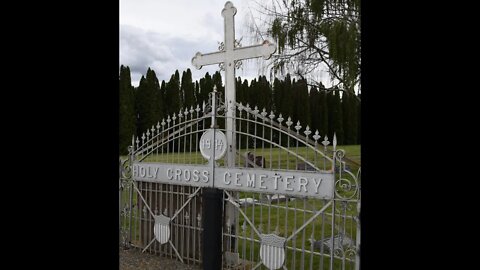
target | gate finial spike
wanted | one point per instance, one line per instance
(307, 131)
(280, 119)
(272, 115)
(334, 141)
(316, 136)
(298, 126)
(325, 141)
(264, 112)
(289, 122)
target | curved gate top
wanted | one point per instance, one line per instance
(290, 200)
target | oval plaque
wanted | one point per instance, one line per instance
(208, 144)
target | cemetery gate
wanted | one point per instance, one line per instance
(290, 199)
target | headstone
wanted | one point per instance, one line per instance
(302, 166)
(252, 161)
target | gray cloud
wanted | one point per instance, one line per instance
(141, 49)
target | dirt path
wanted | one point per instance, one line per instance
(133, 259)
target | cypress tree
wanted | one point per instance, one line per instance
(287, 106)
(245, 89)
(239, 90)
(172, 96)
(277, 95)
(331, 114)
(314, 109)
(301, 103)
(350, 118)
(156, 93)
(323, 109)
(149, 105)
(127, 119)
(338, 119)
(206, 86)
(217, 80)
(163, 94)
(188, 89)
(263, 94)
(179, 90)
(197, 93)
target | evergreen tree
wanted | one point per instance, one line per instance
(156, 92)
(314, 100)
(188, 89)
(288, 98)
(277, 95)
(180, 92)
(338, 119)
(252, 94)
(331, 112)
(245, 90)
(206, 86)
(163, 94)
(350, 117)
(323, 127)
(217, 80)
(149, 105)
(172, 96)
(127, 127)
(262, 94)
(197, 94)
(301, 103)
(239, 90)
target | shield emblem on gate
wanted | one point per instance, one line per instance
(161, 229)
(272, 251)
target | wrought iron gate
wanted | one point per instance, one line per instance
(264, 228)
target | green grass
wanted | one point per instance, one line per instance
(275, 158)
(288, 222)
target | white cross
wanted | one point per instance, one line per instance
(229, 56)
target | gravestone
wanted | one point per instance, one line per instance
(252, 161)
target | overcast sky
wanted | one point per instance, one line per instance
(165, 35)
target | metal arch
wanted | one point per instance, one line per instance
(182, 129)
(289, 151)
(282, 129)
